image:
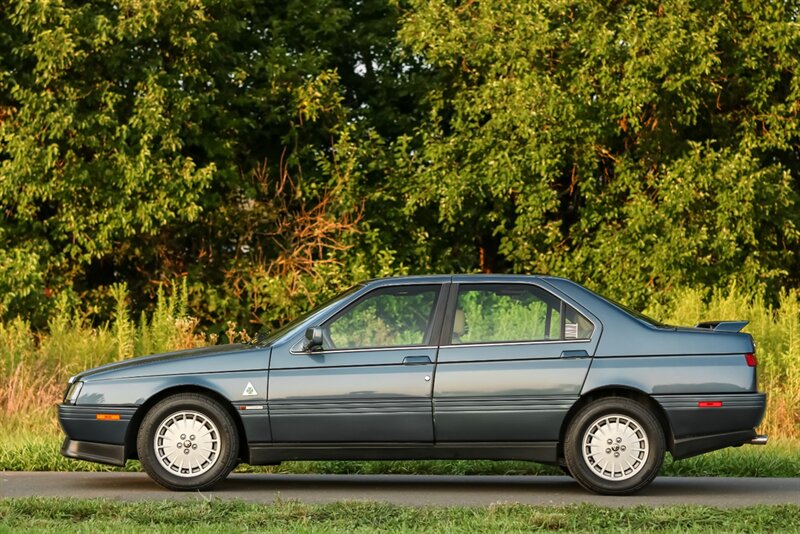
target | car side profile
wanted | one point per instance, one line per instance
(494, 367)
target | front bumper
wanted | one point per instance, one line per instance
(96, 439)
(101, 453)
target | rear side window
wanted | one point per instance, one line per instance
(494, 313)
(576, 326)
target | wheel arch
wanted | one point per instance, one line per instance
(136, 421)
(616, 391)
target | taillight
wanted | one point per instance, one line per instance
(751, 359)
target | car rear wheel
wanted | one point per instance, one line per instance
(188, 442)
(614, 446)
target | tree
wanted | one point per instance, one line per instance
(144, 141)
(634, 146)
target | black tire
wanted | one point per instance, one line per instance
(566, 470)
(194, 409)
(639, 426)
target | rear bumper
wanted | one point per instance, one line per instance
(703, 423)
(688, 447)
(102, 453)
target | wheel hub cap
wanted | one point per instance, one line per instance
(187, 443)
(615, 447)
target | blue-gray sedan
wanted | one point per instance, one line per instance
(432, 367)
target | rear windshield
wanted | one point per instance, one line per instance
(638, 315)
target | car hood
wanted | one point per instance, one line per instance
(222, 358)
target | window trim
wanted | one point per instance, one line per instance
(445, 339)
(367, 349)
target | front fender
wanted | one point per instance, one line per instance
(136, 391)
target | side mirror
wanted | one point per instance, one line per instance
(313, 339)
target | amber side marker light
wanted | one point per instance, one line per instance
(709, 404)
(107, 417)
(750, 358)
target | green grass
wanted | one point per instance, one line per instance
(34, 367)
(778, 459)
(70, 515)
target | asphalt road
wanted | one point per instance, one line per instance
(415, 490)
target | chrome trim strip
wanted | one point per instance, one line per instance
(431, 347)
(512, 343)
(373, 349)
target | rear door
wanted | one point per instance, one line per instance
(372, 380)
(512, 361)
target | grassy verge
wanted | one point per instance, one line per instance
(35, 365)
(68, 515)
(779, 459)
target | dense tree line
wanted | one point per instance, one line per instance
(273, 152)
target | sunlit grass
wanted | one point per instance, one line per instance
(34, 368)
(73, 515)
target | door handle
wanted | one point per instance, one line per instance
(416, 360)
(574, 354)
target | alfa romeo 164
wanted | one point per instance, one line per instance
(432, 367)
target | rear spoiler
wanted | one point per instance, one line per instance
(723, 326)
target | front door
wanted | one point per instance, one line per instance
(372, 380)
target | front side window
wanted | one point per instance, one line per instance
(388, 317)
(493, 313)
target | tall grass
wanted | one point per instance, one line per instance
(776, 331)
(34, 366)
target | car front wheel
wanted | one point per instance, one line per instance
(188, 442)
(614, 446)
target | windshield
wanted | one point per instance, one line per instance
(272, 336)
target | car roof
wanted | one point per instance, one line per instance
(459, 278)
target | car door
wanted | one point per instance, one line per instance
(512, 362)
(372, 379)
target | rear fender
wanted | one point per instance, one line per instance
(667, 375)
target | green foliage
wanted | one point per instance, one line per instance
(631, 146)
(168, 324)
(123, 328)
(275, 153)
(143, 141)
(93, 145)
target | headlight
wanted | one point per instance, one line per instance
(73, 392)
